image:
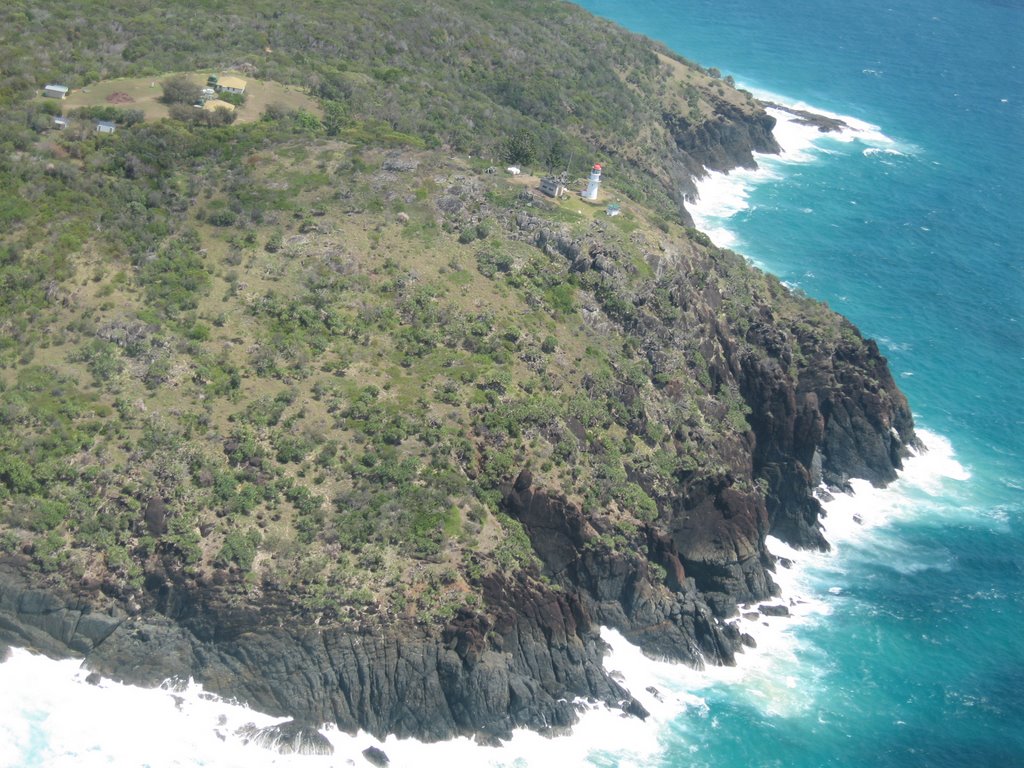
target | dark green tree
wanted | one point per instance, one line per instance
(179, 90)
(557, 155)
(520, 148)
(335, 117)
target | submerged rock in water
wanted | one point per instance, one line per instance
(635, 708)
(823, 123)
(288, 738)
(376, 756)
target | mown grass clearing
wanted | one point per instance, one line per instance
(144, 93)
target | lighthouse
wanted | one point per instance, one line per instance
(593, 183)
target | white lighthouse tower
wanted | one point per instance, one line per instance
(593, 183)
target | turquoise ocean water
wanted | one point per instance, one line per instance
(917, 237)
(907, 646)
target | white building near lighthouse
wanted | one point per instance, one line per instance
(593, 183)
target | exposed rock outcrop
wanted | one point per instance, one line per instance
(728, 140)
(49, 623)
(823, 123)
(616, 587)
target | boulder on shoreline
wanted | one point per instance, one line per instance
(289, 738)
(376, 757)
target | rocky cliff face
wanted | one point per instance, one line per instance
(725, 141)
(520, 663)
(618, 587)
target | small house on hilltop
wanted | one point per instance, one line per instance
(105, 126)
(552, 186)
(60, 123)
(230, 85)
(56, 91)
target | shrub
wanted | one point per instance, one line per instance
(222, 218)
(183, 535)
(490, 263)
(124, 117)
(561, 298)
(101, 358)
(51, 552)
(335, 117)
(515, 550)
(16, 475)
(240, 547)
(179, 90)
(291, 448)
(274, 242)
(187, 113)
(237, 99)
(635, 500)
(520, 148)
(177, 277)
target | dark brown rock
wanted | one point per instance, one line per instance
(156, 516)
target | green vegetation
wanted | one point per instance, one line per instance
(179, 89)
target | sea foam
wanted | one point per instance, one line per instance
(720, 196)
(782, 676)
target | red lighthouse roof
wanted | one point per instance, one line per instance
(597, 166)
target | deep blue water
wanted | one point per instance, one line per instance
(921, 662)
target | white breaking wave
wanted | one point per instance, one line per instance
(781, 675)
(857, 130)
(720, 196)
(50, 716)
(872, 151)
